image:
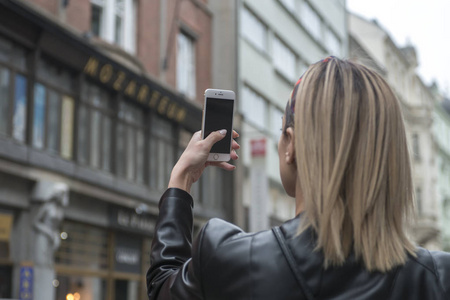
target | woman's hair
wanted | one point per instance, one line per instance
(353, 165)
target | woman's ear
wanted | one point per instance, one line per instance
(290, 149)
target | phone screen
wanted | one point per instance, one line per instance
(219, 115)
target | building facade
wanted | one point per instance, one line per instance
(265, 48)
(98, 99)
(441, 135)
(372, 45)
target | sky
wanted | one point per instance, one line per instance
(425, 24)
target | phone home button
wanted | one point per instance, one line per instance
(216, 156)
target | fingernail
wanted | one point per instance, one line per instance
(223, 131)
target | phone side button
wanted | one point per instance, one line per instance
(216, 156)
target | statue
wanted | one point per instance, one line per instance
(52, 198)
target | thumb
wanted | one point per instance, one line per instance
(216, 136)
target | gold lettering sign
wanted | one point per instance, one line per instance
(154, 99)
(5, 226)
(163, 105)
(91, 67)
(131, 88)
(106, 73)
(181, 115)
(119, 80)
(171, 110)
(142, 94)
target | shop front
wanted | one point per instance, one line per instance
(76, 116)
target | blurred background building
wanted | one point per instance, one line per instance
(101, 96)
(260, 49)
(372, 45)
(441, 134)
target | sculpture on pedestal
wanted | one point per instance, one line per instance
(52, 198)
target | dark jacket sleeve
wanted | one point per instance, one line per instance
(172, 274)
(441, 262)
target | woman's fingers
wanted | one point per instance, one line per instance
(234, 155)
(222, 165)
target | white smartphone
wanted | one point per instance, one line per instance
(218, 112)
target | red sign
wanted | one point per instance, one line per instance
(258, 147)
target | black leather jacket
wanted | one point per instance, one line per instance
(226, 263)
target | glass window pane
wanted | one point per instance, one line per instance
(39, 116)
(120, 148)
(333, 43)
(140, 156)
(162, 156)
(67, 127)
(253, 30)
(254, 107)
(80, 287)
(96, 19)
(118, 34)
(20, 108)
(131, 153)
(186, 82)
(4, 99)
(106, 134)
(284, 60)
(19, 58)
(95, 138)
(161, 127)
(85, 247)
(54, 112)
(289, 4)
(126, 289)
(311, 20)
(169, 162)
(276, 122)
(83, 123)
(6, 49)
(153, 159)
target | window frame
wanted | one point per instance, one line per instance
(189, 88)
(17, 69)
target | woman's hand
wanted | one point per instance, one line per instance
(192, 162)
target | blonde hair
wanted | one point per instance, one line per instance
(353, 165)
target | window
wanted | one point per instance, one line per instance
(419, 200)
(53, 109)
(254, 30)
(130, 143)
(95, 127)
(97, 16)
(289, 4)
(213, 188)
(161, 152)
(284, 60)
(4, 100)
(416, 146)
(39, 115)
(85, 246)
(276, 121)
(20, 108)
(311, 20)
(114, 21)
(332, 43)
(253, 107)
(186, 81)
(118, 22)
(302, 67)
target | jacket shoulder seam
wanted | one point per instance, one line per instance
(199, 258)
(393, 282)
(437, 273)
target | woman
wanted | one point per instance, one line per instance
(344, 158)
